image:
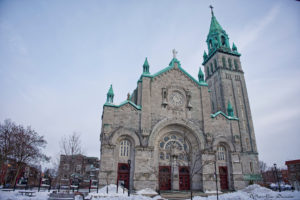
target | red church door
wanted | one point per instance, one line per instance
(184, 178)
(123, 173)
(223, 178)
(165, 177)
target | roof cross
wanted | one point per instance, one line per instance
(174, 53)
(212, 12)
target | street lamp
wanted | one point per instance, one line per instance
(277, 177)
(129, 164)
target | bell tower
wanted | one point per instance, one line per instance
(225, 78)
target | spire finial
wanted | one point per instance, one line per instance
(174, 53)
(212, 12)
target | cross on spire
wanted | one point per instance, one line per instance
(174, 53)
(212, 12)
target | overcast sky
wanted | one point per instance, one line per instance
(58, 58)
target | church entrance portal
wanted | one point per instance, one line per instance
(223, 177)
(123, 173)
(184, 178)
(165, 177)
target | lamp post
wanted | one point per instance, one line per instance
(277, 177)
(129, 164)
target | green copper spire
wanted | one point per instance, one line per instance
(230, 109)
(234, 48)
(217, 37)
(200, 75)
(110, 95)
(146, 67)
(204, 55)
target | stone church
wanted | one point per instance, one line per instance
(176, 132)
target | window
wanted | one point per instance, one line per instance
(124, 148)
(66, 166)
(78, 167)
(230, 63)
(251, 167)
(236, 65)
(221, 153)
(162, 156)
(216, 66)
(207, 70)
(223, 40)
(210, 44)
(224, 62)
(211, 68)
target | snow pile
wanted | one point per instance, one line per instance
(255, 192)
(146, 191)
(113, 195)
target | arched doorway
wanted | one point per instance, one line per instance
(164, 177)
(123, 174)
(184, 178)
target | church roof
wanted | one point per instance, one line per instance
(122, 104)
(171, 66)
(214, 25)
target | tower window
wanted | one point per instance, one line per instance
(221, 153)
(248, 144)
(124, 148)
(223, 40)
(251, 167)
(210, 44)
(224, 62)
(236, 65)
(211, 68)
(216, 66)
(230, 63)
(207, 69)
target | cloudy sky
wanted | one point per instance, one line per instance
(58, 58)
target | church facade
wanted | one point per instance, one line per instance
(175, 132)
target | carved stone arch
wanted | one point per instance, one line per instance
(222, 140)
(123, 133)
(198, 134)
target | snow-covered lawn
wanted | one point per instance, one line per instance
(253, 192)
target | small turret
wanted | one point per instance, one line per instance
(110, 95)
(200, 75)
(204, 55)
(230, 110)
(234, 49)
(146, 67)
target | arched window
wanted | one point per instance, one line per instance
(224, 62)
(210, 44)
(216, 66)
(221, 153)
(211, 68)
(125, 148)
(230, 63)
(251, 167)
(247, 143)
(223, 40)
(207, 69)
(236, 65)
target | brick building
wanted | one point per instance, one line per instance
(294, 173)
(78, 169)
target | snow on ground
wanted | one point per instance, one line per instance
(255, 192)
(146, 191)
(15, 195)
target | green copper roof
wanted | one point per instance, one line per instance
(200, 75)
(110, 91)
(171, 65)
(226, 116)
(122, 104)
(234, 47)
(214, 25)
(146, 62)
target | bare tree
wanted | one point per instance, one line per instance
(262, 166)
(6, 145)
(71, 145)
